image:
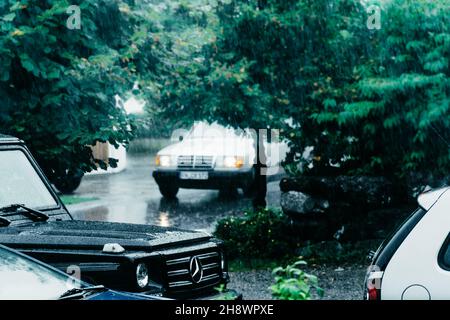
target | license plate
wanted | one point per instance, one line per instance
(186, 175)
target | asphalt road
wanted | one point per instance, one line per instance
(133, 196)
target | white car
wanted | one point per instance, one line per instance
(210, 156)
(414, 264)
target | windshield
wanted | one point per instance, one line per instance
(22, 278)
(20, 183)
(202, 130)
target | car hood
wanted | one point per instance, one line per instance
(75, 234)
(210, 147)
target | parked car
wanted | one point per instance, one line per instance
(414, 263)
(140, 258)
(25, 278)
(211, 156)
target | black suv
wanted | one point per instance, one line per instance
(141, 258)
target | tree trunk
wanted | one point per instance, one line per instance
(260, 183)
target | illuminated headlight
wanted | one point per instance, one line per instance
(233, 162)
(142, 275)
(163, 161)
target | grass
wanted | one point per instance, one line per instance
(69, 200)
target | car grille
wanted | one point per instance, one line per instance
(179, 276)
(195, 162)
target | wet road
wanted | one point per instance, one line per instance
(133, 196)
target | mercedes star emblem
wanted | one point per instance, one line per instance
(196, 269)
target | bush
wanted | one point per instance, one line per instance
(334, 252)
(264, 234)
(58, 85)
(259, 238)
(291, 283)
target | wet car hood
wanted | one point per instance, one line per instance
(74, 234)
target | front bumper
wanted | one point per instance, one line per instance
(216, 179)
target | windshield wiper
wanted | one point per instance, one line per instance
(80, 292)
(30, 213)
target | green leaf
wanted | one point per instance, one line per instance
(9, 17)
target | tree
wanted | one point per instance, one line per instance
(369, 101)
(59, 81)
(261, 67)
(399, 116)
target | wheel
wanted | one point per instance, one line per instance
(68, 183)
(168, 191)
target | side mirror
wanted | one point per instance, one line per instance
(180, 138)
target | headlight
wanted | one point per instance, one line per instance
(233, 162)
(163, 161)
(142, 275)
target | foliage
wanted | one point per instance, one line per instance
(184, 28)
(148, 126)
(263, 234)
(291, 283)
(398, 114)
(59, 85)
(257, 239)
(223, 293)
(334, 252)
(371, 102)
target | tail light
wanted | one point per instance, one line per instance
(373, 284)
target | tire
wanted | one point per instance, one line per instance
(68, 183)
(168, 191)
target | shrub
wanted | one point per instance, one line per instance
(264, 234)
(335, 252)
(259, 238)
(291, 283)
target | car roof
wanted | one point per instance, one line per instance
(428, 199)
(8, 139)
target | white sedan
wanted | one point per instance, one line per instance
(210, 156)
